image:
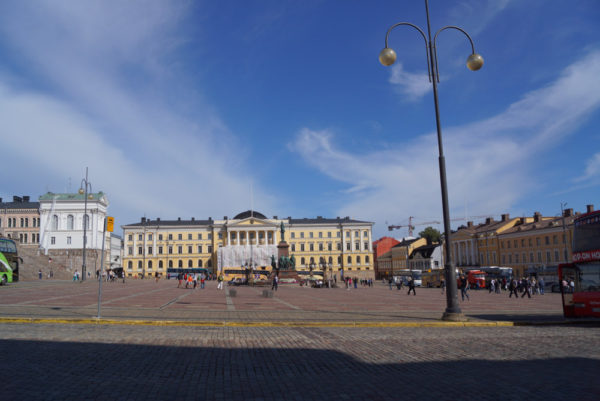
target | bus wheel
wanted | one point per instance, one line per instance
(3, 282)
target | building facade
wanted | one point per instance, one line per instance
(20, 220)
(381, 247)
(62, 219)
(249, 239)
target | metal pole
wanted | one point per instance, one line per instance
(85, 221)
(101, 268)
(453, 311)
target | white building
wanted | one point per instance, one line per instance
(62, 221)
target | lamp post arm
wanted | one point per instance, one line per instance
(429, 71)
(435, 48)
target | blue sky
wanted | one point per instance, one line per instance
(206, 108)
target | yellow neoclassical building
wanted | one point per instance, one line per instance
(249, 239)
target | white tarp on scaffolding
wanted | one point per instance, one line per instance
(245, 255)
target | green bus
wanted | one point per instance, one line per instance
(6, 272)
(9, 261)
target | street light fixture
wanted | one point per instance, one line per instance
(83, 190)
(387, 57)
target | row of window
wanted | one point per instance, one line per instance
(323, 262)
(12, 222)
(242, 235)
(70, 222)
(170, 264)
(523, 259)
(160, 249)
(170, 237)
(53, 240)
(329, 234)
(24, 237)
(321, 246)
(538, 241)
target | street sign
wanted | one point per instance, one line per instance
(110, 223)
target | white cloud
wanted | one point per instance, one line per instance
(592, 169)
(413, 86)
(111, 101)
(490, 163)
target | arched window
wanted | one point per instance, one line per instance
(349, 260)
(170, 263)
(160, 264)
(190, 263)
(130, 265)
(86, 220)
(312, 260)
(339, 260)
(180, 263)
(149, 264)
(199, 262)
(330, 260)
(55, 222)
(367, 259)
(70, 222)
(22, 222)
(358, 260)
(139, 265)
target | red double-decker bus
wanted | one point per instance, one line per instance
(580, 280)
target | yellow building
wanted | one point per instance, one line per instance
(537, 243)
(478, 245)
(248, 240)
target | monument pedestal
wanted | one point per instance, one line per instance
(286, 276)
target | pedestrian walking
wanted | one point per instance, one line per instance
(464, 288)
(40, 274)
(391, 282)
(541, 284)
(411, 287)
(202, 279)
(275, 283)
(443, 285)
(180, 279)
(512, 287)
(220, 281)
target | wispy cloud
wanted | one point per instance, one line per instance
(592, 169)
(411, 85)
(111, 99)
(491, 163)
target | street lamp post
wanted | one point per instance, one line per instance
(83, 190)
(387, 57)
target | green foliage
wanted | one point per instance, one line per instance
(431, 235)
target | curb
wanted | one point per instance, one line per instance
(290, 323)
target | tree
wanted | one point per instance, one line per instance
(431, 235)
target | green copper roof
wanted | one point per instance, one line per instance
(71, 197)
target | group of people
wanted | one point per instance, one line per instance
(350, 281)
(192, 280)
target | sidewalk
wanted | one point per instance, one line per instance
(145, 302)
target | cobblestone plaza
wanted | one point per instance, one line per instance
(176, 343)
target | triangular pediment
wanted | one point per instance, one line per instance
(253, 222)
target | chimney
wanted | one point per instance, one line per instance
(143, 219)
(179, 219)
(25, 198)
(469, 224)
(17, 199)
(589, 208)
(319, 217)
(158, 219)
(537, 217)
(522, 220)
(567, 212)
(224, 218)
(489, 220)
(194, 219)
(505, 217)
(274, 217)
(0, 200)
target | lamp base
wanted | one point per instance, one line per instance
(454, 317)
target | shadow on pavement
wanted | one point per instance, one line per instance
(60, 370)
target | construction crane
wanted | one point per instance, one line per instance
(411, 226)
